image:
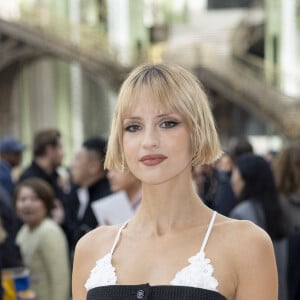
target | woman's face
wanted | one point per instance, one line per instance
(29, 207)
(237, 182)
(157, 144)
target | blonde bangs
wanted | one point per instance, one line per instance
(169, 89)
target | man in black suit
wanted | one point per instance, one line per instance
(91, 184)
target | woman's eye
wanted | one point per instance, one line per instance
(132, 128)
(168, 124)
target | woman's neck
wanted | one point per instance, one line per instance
(169, 206)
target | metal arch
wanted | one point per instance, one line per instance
(20, 43)
(255, 96)
(24, 41)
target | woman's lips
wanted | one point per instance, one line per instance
(152, 160)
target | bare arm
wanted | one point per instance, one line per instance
(256, 265)
(89, 249)
(79, 273)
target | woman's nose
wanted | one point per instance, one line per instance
(151, 138)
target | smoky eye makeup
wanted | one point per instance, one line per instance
(169, 120)
(132, 128)
(169, 124)
(131, 125)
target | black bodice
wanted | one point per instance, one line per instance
(147, 292)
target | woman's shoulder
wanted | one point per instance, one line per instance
(91, 248)
(249, 257)
(99, 240)
(49, 227)
(244, 229)
(244, 238)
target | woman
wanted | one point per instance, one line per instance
(174, 247)
(287, 176)
(42, 242)
(253, 184)
(254, 187)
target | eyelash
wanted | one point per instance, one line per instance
(171, 124)
(164, 125)
(132, 127)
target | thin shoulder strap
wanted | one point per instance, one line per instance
(118, 237)
(209, 229)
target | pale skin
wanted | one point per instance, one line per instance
(171, 223)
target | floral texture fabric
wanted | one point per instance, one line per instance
(198, 273)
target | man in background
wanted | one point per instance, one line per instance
(91, 184)
(47, 157)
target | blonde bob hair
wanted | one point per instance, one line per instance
(173, 89)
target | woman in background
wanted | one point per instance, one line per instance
(286, 167)
(42, 242)
(254, 186)
(287, 175)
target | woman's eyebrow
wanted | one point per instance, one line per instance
(157, 117)
(171, 114)
(132, 118)
(163, 115)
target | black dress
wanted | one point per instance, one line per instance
(147, 292)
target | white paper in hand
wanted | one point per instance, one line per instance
(112, 209)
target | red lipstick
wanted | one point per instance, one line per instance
(152, 160)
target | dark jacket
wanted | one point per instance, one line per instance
(218, 193)
(5, 177)
(9, 252)
(294, 267)
(77, 227)
(34, 170)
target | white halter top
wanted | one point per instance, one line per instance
(198, 273)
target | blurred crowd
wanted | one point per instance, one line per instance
(46, 207)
